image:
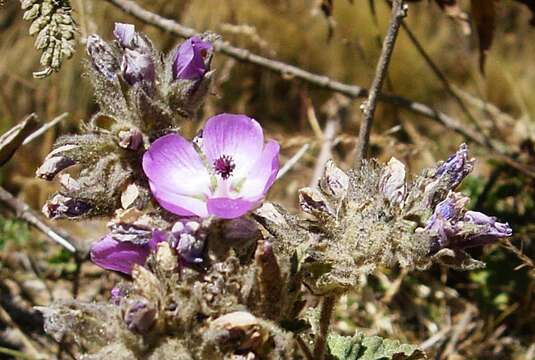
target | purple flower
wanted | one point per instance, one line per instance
(456, 167)
(452, 226)
(488, 229)
(121, 256)
(229, 176)
(189, 59)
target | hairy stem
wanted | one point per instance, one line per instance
(327, 311)
(368, 108)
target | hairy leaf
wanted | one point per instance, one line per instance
(360, 347)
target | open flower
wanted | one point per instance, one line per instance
(229, 174)
(189, 59)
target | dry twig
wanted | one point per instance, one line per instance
(399, 11)
(24, 212)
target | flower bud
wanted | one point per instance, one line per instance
(60, 206)
(102, 57)
(456, 167)
(189, 240)
(137, 66)
(312, 201)
(334, 181)
(140, 317)
(53, 165)
(124, 34)
(392, 181)
(189, 59)
(130, 139)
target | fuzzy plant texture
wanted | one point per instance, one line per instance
(54, 29)
(212, 270)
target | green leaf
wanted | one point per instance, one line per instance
(361, 347)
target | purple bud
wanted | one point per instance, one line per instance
(124, 34)
(456, 167)
(334, 181)
(140, 317)
(130, 139)
(488, 229)
(189, 240)
(102, 57)
(189, 59)
(53, 165)
(60, 206)
(119, 256)
(137, 66)
(128, 38)
(451, 226)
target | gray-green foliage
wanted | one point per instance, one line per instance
(54, 29)
(360, 347)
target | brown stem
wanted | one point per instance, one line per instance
(327, 311)
(399, 11)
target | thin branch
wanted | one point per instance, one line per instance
(327, 310)
(440, 75)
(321, 81)
(399, 11)
(293, 160)
(24, 212)
(45, 128)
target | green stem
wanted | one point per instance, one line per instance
(327, 311)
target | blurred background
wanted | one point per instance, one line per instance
(481, 314)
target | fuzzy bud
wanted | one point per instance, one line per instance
(312, 201)
(140, 317)
(189, 59)
(137, 66)
(456, 167)
(189, 240)
(392, 181)
(130, 139)
(334, 181)
(53, 165)
(60, 206)
(102, 57)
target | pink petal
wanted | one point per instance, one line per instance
(172, 165)
(178, 204)
(118, 256)
(264, 172)
(226, 208)
(237, 136)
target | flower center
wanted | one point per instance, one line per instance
(224, 166)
